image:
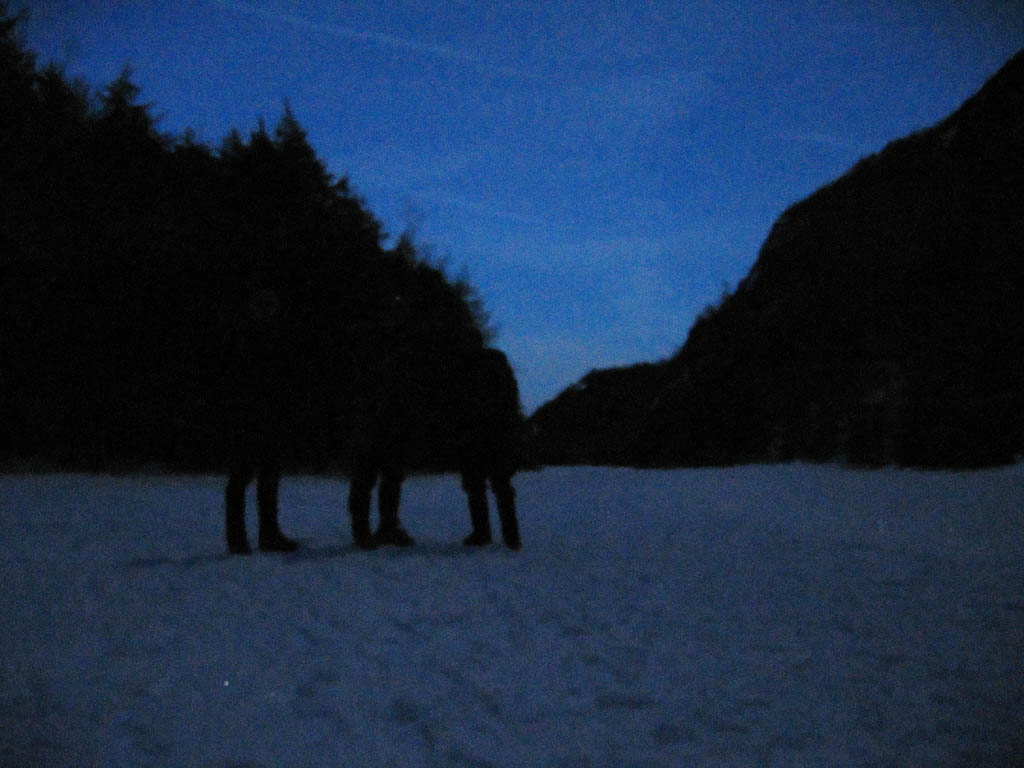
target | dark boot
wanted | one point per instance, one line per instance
(271, 538)
(234, 512)
(505, 495)
(360, 488)
(395, 536)
(390, 531)
(479, 515)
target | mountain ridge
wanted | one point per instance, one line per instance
(881, 323)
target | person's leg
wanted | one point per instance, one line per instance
(389, 498)
(475, 485)
(271, 538)
(364, 477)
(234, 510)
(505, 496)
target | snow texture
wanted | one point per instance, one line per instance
(753, 616)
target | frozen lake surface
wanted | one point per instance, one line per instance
(754, 616)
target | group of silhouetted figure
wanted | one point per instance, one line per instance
(459, 401)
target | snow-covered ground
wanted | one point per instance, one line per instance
(753, 616)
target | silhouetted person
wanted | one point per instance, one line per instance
(384, 421)
(488, 449)
(257, 404)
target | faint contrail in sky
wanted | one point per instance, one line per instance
(379, 38)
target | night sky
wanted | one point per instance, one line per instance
(601, 171)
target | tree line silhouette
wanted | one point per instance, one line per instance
(162, 301)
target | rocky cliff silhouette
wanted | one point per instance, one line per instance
(882, 323)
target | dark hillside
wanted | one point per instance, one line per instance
(598, 420)
(882, 322)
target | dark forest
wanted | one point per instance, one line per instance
(157, 294)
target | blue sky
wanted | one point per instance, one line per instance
(599, 170)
